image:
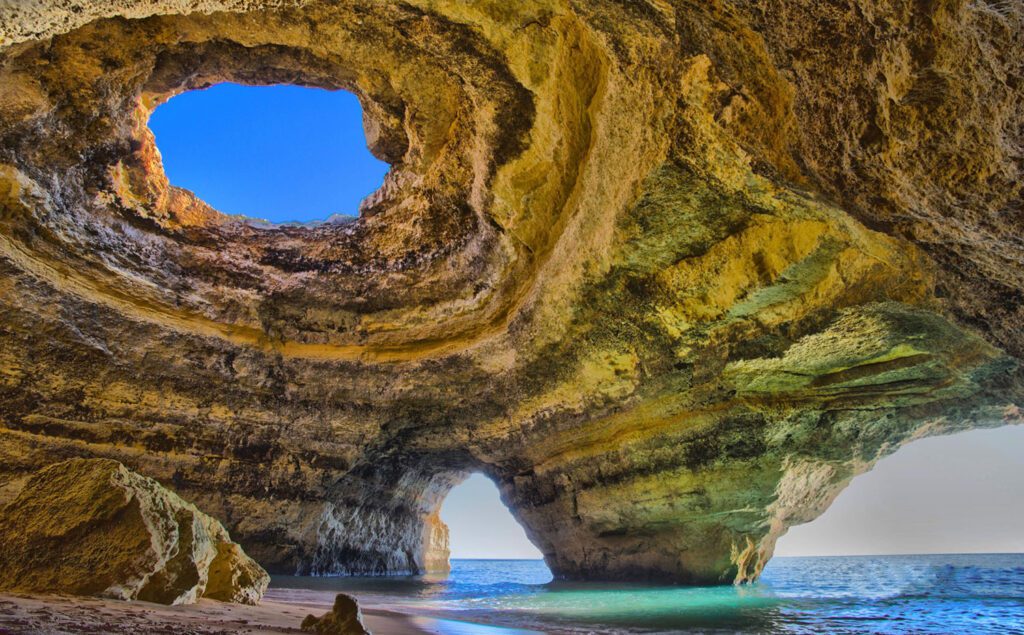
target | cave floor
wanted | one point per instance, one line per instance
(60, 614)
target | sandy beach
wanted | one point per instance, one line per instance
(61, 614)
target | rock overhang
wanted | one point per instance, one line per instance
(613, 267)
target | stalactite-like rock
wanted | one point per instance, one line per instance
(670, 272)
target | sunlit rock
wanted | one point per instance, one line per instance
(670, 273)
(93, 527)
(343, 619)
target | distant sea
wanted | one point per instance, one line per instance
(918, 594)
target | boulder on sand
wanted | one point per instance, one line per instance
(94, 527)
(343, 619)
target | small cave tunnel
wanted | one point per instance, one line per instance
(420, 516)
(480, 526)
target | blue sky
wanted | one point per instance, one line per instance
(288, 153)
(279, 153)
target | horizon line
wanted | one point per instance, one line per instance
(830, 555)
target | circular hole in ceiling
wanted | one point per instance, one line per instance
(279, 153)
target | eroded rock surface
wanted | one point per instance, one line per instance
(344, 618)
(93, 527)
(670, 272)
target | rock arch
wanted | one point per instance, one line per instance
(666, 272)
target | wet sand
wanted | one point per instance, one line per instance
(58, 615)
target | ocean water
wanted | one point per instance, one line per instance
(919, 594)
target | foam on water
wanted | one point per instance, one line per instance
(928, 594)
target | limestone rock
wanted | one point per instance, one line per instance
(93, 527)
(435, 545)
(670, 272)
(343, 619)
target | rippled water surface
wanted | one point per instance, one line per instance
(930, 594)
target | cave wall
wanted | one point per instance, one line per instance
(671, 273)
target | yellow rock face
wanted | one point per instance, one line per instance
(671, 273)
(93, 527)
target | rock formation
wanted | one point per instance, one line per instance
(343, 619)
(93, 527)
(670, 272)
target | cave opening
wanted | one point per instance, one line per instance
(954, 494)
(485, 539)
(278, 153)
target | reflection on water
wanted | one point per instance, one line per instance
(456, 627)
(842, 595)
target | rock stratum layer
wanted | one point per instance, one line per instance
(670, 272)
(93, 527)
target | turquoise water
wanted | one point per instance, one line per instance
(930, 594)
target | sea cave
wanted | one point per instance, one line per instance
(671, 274)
